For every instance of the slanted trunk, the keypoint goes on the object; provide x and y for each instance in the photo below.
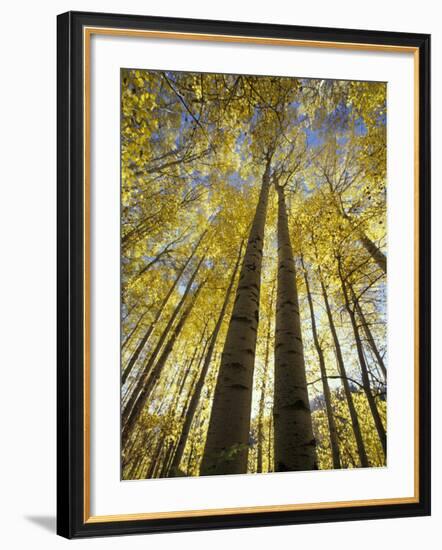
(190, 458)
(377, 255)
(334, 444)
(192, 385)
(295, 446)
(144, 377)
(132, 332)
(171, 446)
(270, 449)
(168, 348)
(142, 438)
(157, 370)
(130, 309)
(165, 252)
(259, 450)
(226, 449)
(160, 310)
(370, 339)
(155, 459)
(348, 395)
(156, 467)
(362, 363)
(165, 468)
(190, 412)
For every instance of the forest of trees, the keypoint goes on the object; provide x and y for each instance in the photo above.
(253, 274)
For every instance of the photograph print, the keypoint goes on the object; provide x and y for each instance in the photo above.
(253, 274)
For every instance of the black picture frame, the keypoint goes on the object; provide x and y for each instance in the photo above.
(71, 520)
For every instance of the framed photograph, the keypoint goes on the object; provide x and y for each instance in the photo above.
(243, 274)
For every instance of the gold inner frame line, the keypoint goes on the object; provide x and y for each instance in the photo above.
(87, 34)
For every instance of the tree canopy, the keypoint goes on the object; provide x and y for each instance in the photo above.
(253, 274)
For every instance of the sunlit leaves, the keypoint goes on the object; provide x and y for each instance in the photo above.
(193, 151)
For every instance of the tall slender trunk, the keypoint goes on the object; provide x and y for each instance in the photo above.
(135, 472)
(146, 268)
(370, 338)
(143, 379)
(334, 443)
(195, 377)
(130, 309)
(190, 412)
(259, 450)
(226, 449)
(165, 252)
(190, 458)
(377, 255)
(188, 368)
(132, 332)
(171, 446)
(348, 395)
(156, 370)
(165, 468)
(160, 310)
(269, 448)
(364, 370)
(158, 462)
(167, 350)
(295, 446)
(161, 442)
(154, 462)
(146, 437)
(175, 380)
